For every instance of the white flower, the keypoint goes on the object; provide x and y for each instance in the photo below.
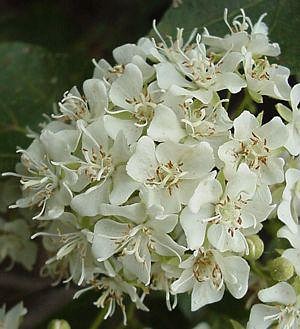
(293, 119)
(74, 107)
(170, 171)
(13, 318)
(15, 243)
(172, 52)
(199, 76)
(162, 274)
(291, 254)
(136, 103)
(266, 79)
(227, 216)
(45, 183)
(255, 145)
(289, 208)
(107, 73)
(191, 121)
(71, 246)
(135, 54)
(103, 163)
(125, 54)
(150, 48)
(283, 311)
(206, 274)
(113, 291)
(127, 93)
(256, 42)
(134, 239)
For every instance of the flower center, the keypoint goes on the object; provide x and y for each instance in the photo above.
(98, 164)
(167, 176)
(117, 69)
(260, 69)
(228, 213)
(206, 269)
(73, 107)
(143, 108)
(195, 121)
(134, 241)
(200, 69)
(255, 153)
(113, 72)
(41, 182)
(288, 316)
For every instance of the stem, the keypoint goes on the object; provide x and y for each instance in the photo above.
(98, 320)
(246, 103)
(259, 271)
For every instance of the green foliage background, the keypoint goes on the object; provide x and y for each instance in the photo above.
(46, 47)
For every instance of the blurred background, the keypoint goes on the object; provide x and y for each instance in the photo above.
(80, 28)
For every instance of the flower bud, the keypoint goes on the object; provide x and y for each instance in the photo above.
(59, 324)
(281, 269)
(296, 284)
(256, 247)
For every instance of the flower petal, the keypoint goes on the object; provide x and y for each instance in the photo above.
(165, 125)
(235, 271)
(204, 293)
(89, 202)
(294, 238)
(244, 125)
(127, 87)
(114, 125)
(295, 96)
(122, 186)
(261, 316)
(274, 132)
(184, 283)
(281, 293)
(242, 184)
(272, 172)
(209, 190)
(293, 255)
(106, 232)
(193, 225)
(167, 75)
(143, 163)
(96, 95)
(123, 54)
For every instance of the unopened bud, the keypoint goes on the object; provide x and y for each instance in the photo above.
(296, 284)
(59, 324)
(256, 247)
(281, 269)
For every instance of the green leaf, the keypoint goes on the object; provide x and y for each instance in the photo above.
(282, 20)
(32, 79)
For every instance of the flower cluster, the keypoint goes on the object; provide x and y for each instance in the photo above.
(152, 178)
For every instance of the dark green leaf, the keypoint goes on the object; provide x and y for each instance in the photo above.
(32, 79)
(283, 21)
